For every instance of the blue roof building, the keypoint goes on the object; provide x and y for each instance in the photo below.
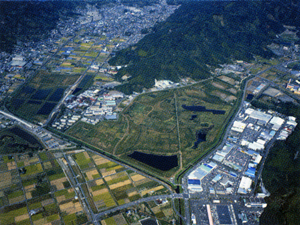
(250, 172)
(194, 181)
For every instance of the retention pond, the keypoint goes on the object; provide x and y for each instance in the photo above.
(160, 162)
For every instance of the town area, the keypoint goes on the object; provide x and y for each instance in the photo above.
(230, 174)
(64, 182)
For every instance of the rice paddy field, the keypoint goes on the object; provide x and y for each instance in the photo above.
(110, 184)
(35, 100)
(37, 182)
(38, 179)
(162, 211)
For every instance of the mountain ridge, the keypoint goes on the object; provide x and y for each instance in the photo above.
(200, 36)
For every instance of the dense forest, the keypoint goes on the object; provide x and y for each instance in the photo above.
(201, 35)
(30, 21)
(281, 173)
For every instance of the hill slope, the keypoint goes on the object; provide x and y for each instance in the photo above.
(28, 21)
(202, 35)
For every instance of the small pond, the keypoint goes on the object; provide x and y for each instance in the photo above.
(160, 162)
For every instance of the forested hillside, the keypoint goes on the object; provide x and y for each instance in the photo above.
(30, 21)
(281, 173)
(201, 35)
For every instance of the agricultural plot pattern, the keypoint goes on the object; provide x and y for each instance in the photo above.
(36, 100)
(110, 184)
(160, 210)
(35, 188)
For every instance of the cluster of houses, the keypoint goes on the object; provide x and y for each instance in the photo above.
(103, 107)
(66, 121)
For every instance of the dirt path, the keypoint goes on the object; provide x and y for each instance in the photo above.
(126, 133)
(178, 132)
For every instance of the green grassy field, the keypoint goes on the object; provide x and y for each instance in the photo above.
(157, 123)
(32, 169)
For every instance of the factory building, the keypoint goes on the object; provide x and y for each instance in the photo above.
(250, 172)
(260, 116)
(238, 126)
(256, 203)
(245, 185)
(163, 83)
(194, 184)
(277, 123)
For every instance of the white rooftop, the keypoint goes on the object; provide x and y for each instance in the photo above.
(245, 183)
(256, 146)
(277, 120)
(238, 126)
(255, 114)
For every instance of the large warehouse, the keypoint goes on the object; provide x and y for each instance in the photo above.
(198, 174)
(245, 185)
(261, 116)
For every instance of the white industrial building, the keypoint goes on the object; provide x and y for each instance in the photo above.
(258, 158)
(244, 142)
(238, 126)
(163, 83)
(218, 158)
(256, 203)
(256, 146)
(194, 178)
(255, 114)
(18, 61)
(116, 94)
(245, 185)
(277, 122)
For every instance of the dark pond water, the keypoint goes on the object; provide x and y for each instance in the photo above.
(285, 43)
(201, 137)
(56, 96)
(24, 135)
(41, 94)
(250, 96)
(27, 90)
(46, 108)
(16, 103)
(193, 117)
(200, 108)
(84, 81)
(163, 163)
(34, 102)
(149, 221)
(76, 91)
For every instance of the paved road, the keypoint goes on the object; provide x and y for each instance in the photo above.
(71, 176)
(70, 91)
(152, 198)
(98, 216)
(131, 168)
(27, 124)
(262, 163)
(187, 213)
